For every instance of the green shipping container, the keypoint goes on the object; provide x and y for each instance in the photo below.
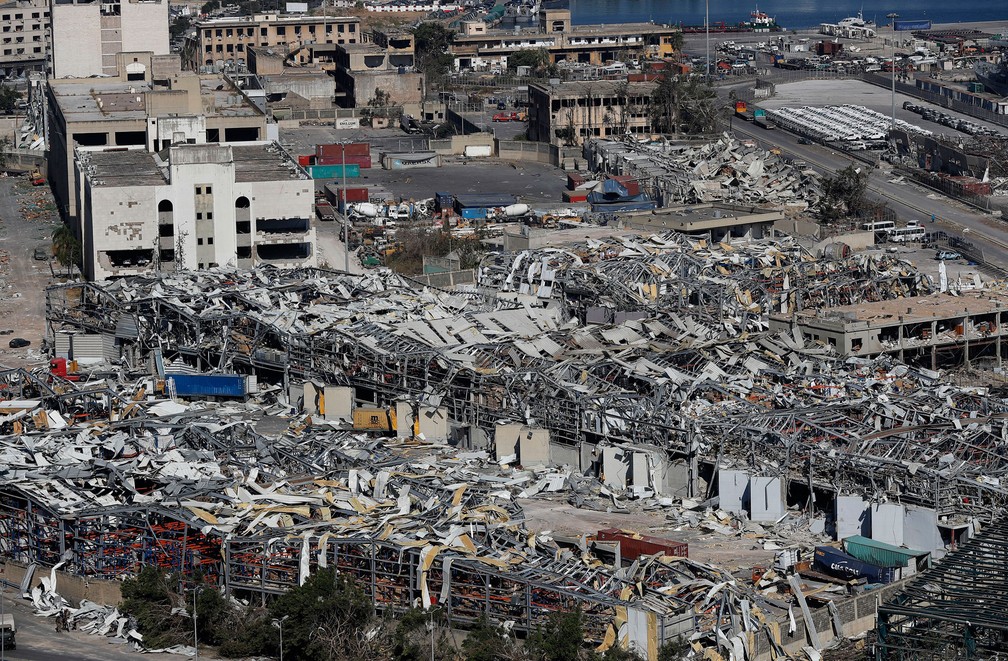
(881, 554)
(334, 171)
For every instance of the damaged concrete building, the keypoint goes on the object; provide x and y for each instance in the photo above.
(193, 207)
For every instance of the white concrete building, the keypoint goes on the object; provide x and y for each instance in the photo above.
(87, 34)
(24, 33)
(207, 205)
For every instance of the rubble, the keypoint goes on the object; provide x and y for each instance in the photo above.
(724, 170)
(516, 393)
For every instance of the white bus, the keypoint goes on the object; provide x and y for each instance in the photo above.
(906, 234)
(879, 226)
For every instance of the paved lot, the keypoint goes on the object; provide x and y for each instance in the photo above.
(23, 279)
(856, 92)
(38, 641)
(533, 183)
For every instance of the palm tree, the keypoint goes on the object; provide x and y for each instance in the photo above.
(66, 247)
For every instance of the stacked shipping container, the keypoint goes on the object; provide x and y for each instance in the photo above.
(354, 153)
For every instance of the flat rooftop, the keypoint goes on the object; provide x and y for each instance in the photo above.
(918, 309)
(262, 161)
(617, 29)
(93, 100)
(113, 168)
(273, 19)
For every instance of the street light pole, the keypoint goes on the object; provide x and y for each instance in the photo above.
(194, 634)
(893, 16)
(346, 230)
(279, 624)
(707, 32)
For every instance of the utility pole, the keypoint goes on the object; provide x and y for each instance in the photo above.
(195, 636)
(892, 17)
(346, 223)
(707, 32)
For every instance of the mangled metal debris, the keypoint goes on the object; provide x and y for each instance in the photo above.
(724, 170)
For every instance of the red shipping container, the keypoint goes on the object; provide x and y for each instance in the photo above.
(305, 160)
(574, 179)
(363, 161)
(575, 196)
(358, 194)
(358, 149)
(628, 182)
(633, 546)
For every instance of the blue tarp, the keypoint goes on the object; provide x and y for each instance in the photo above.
(613, 196)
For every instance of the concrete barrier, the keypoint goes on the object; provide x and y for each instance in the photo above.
(72, 588)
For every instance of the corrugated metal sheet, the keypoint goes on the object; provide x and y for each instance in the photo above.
(110, 349)
(126, 327)
(85, 347)
(880, 554)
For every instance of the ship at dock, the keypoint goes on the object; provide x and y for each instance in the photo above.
(758, 22)
(994, 77)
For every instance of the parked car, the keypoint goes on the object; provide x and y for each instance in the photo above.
(500, 105)
(947, 254)
(42, 254)
(503, 117)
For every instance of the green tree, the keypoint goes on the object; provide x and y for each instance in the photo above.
(537, 58)
(325, 614)
(412, 638)
(179, 26)
(210, 6)
(486, 642)
(149, 598)
(433, 51)
(683, 104)
(560, 639)
(67, 248)
(674, 650)
(8, 99)
(842, 194)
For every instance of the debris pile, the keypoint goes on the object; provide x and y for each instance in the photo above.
(728, 287)
(724, 170)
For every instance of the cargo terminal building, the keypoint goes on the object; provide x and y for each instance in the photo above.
(193, 207)
(933, 331)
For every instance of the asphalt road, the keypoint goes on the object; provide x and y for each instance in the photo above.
(37, 640)
(910, 201)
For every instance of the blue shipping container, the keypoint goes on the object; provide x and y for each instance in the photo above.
(208, 385)
(334, 171)
(473, 213)
(837, 563)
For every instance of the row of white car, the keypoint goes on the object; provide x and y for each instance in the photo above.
(839, 123)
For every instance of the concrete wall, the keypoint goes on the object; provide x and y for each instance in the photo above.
(73, 588)
(523, 150)
(76, 39)
(145, 26)
(857, 615)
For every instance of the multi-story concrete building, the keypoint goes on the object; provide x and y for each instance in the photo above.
(150, 105)
(477, 47)
(193, 207)
(87, 35)
(24, 31)
(219, 42)
(387, 64)
(575, 111)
